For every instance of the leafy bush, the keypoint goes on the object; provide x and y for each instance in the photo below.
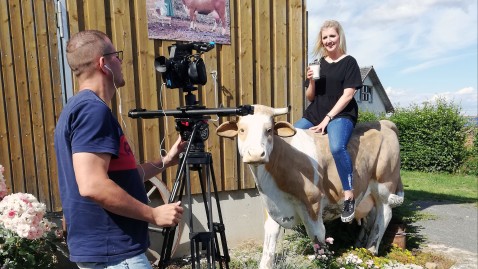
(366, 116)
(431, 137)
(470, 165)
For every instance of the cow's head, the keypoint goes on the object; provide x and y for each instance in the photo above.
(255, 133)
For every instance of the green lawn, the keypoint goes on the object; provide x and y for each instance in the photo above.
(439, 187)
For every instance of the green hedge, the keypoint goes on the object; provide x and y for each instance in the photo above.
(470, 165)
(432, 136)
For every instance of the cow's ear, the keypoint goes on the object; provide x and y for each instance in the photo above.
(284, 129)
(227, 129)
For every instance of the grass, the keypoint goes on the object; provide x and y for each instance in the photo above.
(440, 187)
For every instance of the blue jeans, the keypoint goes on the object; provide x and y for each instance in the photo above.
(137, 262)
(339, 131)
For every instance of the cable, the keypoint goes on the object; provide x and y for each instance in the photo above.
(214, 77)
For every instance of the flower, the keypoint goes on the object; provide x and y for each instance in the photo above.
(26, 236)
(323, 255)
(3, 185)
(23, 214)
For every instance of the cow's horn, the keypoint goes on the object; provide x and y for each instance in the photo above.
(281, 111)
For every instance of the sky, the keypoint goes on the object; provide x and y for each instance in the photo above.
(421, 49)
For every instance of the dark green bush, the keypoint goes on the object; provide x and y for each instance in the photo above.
(474, 131)
(431, 137)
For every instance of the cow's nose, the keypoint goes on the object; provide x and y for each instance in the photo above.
(255, 155)
(256, 152)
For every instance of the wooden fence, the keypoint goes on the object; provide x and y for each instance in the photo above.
(264, 64)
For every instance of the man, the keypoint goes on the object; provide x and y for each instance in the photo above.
(101, 187)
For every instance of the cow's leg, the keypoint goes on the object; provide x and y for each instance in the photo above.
(222, 17)
(192, 16)
(271, 233)
(366, 228)
(215, 25)
(382, 218)
(315, 228)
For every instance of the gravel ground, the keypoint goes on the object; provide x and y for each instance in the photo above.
(452, 230)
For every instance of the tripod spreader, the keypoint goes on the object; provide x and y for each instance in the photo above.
(190, 112)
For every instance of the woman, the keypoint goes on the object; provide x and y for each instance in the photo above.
(333, 109)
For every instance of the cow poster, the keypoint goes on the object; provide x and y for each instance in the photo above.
(189, 20)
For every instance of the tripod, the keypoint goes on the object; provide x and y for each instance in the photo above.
(191, 122)
(196, 159)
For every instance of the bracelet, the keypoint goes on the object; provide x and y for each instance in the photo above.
(329, 116)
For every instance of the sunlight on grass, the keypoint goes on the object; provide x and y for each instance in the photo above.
(438, 187)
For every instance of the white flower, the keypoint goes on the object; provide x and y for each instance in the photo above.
(24, 215)
(329, 240)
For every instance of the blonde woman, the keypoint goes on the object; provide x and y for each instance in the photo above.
(333, 109)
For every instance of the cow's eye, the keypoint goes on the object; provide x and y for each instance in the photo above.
(241, 131)
(269, 130)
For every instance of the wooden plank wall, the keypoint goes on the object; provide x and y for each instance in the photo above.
(30, 98)
(264, 64)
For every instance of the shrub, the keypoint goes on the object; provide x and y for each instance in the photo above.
(431, 137)
(470, 165)
(366, 116)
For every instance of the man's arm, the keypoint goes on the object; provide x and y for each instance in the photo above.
(150, 169)
(94, 183)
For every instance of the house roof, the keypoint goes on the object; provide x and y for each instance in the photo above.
(369, 71)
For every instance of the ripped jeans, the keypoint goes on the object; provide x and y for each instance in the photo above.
(339, 131)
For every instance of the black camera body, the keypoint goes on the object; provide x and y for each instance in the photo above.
(184, 69)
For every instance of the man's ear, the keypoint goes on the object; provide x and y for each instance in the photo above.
(104, 66)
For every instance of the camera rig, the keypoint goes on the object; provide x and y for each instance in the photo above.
(182, 70)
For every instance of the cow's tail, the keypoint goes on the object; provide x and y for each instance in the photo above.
(390, 125)
(396, 199)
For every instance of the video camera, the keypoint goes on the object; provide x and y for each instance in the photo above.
(184, 69)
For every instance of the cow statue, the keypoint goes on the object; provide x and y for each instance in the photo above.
(297, 179)
(217, 8)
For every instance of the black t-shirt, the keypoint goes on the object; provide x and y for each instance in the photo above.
(334, 78)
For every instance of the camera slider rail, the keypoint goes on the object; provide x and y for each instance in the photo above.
(190, 112)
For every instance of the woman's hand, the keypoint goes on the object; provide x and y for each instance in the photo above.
(309, 74)
(321, 127)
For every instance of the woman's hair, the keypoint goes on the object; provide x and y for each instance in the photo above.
(84, 48)
(319, 49)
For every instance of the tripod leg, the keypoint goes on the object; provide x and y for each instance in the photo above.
(169, 233)
(219, 228)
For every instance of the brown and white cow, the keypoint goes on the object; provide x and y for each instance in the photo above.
(296, 175)
(217, 8)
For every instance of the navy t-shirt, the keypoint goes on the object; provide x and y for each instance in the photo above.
(334, 78)
(86, 124)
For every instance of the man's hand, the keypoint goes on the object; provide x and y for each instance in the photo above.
(173, 154)
(168, 215)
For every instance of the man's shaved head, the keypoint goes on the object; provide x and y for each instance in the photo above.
(84, 48)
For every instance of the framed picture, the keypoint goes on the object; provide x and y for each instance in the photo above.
(189, 20)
